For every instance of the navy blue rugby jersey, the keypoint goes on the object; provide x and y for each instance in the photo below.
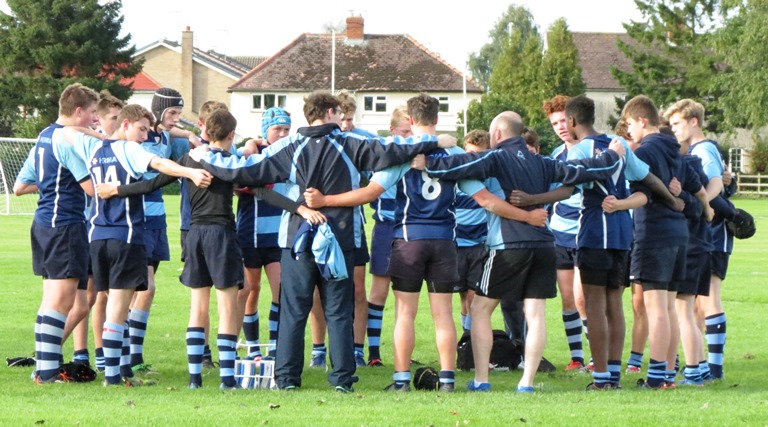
(57, 171)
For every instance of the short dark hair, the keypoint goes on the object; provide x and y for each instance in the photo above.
(220, 124)
(348, 103)
(582, 109)
(531, 137)
(317, 103)
(641, 106)
(74, 96)
(423, 109)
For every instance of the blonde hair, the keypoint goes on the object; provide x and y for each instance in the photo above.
(399, 114)
(688, 109)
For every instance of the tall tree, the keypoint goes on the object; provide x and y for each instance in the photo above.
(743, 44)
(481, 64)
(561, 62)
(671, 54)
(46, 45)
(524, 76)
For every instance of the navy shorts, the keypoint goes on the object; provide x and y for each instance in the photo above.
(658, 269)
(260, 257)
(361, 254)
(603, 267)
(519, 274)
(471, 260)
(417, 260)
(118, 265)
(381, 247)
(213, 258)
(719, 263)
(565, 257)
(697, 274)
(60, 252)
(156, 246)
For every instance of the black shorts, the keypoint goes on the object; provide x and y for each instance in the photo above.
(519, 274)
(658, 269)
(381, 247)
(361, 254)
(213, 258)
(260, 257)
(471, 260)
(417, 260)
(719, 263)
(118, 265)
(183, 239)
(697, 275)
(603, 267)
(156, 247)
(82, 284)
(566, 257)
(60, 252)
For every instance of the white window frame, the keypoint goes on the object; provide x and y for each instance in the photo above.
(376, 102)
(281, 99)
(445, 104)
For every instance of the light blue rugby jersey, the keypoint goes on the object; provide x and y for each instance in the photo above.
(713, 166)
(116, 162)
(564, 218)
(161, 145)
(471, 221)
(598, 229)
(424, 207)
(53, 166)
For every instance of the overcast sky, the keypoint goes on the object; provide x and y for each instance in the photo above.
(261, 28)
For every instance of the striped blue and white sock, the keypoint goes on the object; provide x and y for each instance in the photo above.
(573, 327)
(375, 321)
(274, 323)
(195, 347)
(251, 332)
(715, 334)
(138, 329)
(226, 344)
(614, 368)
(51, 333)
(112, 338)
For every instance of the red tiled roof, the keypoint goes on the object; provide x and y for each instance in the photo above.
(385, 63)
(598, 52)
(141, 82)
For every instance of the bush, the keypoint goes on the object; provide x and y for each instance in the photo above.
(760, 154)
(29, 127)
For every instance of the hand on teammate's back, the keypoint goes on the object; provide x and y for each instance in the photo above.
(419, 162)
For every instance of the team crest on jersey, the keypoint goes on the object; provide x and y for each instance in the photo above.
(94, 161)
(520, 154)
(598, 151)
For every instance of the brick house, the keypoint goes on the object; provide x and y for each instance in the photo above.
(199, 75)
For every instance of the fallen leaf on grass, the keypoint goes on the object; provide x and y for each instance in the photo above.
(749, 356)
(734, 385)
(705, 405)
(523, 420)
(273, 406)
(171, 388)
(321, 401)
(454, 412)
(39, 422)
(130, 403)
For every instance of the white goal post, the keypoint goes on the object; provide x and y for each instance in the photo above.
(13, 153)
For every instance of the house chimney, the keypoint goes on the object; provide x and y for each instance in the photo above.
(355, 28)
(186, 89)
